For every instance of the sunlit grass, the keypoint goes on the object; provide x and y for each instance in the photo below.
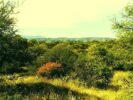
(105, 94)
(120, 77)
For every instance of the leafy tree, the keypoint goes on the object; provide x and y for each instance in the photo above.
(7, 30)
(12, 47)
(124, 27)
(100, 54)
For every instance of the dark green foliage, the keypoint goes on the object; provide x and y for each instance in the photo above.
(6, 29)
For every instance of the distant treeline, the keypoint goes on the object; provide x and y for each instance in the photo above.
(86, 39)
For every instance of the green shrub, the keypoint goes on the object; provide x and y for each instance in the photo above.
(92, 73)
(63, 54)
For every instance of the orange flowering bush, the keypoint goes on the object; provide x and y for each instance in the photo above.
(48, 67)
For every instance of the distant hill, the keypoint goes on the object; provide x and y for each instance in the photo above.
(69, 39)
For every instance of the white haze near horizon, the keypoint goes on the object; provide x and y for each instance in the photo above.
(68, 18)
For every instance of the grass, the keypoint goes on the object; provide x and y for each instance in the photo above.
(39, 85)
(120, 77)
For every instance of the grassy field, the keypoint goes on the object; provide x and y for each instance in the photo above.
(39, 88)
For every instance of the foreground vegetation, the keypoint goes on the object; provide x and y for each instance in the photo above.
(65, 70)
(40, 88)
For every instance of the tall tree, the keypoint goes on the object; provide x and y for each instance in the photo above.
(124, 25)
(7, 30)
(12, 46)
(124, 49)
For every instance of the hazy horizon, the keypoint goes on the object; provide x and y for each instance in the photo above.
(68, 18)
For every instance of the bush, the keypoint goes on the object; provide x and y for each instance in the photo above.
(63, 54)
(49, 69)
(94, 74)
(8, 68)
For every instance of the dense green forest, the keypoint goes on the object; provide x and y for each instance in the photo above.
(65, 70)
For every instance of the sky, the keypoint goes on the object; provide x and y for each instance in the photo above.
(68, 18)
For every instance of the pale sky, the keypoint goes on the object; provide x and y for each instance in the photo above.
(68, 18)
